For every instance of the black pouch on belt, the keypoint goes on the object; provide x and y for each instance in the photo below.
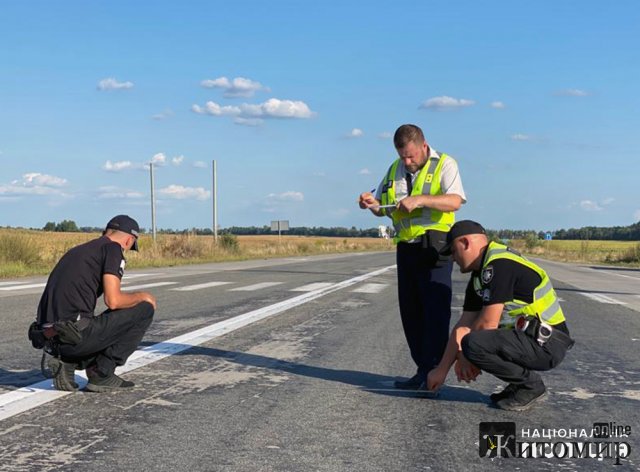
(36, 336)
(68, 332)
(432, 242)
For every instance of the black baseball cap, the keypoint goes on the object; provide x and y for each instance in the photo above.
(126, 224)
(461, 228)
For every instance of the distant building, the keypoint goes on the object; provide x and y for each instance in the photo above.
(385, 232)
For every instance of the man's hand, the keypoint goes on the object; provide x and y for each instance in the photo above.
(367, 200)
(436, 378)
(147, 297)
(465, 370)
(408, 204)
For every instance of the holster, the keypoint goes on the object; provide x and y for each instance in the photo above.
(432, 243)
(63, 332)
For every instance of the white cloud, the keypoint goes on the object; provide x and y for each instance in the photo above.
(238, 87)
(176, 161)
(520, 137)
(573, 93)
(608, 201)
(385, 135)
(117, 166)
(248, 121)
(364, 171)
(162, 115)
(288, 196)
(212, 108)
(113, 84)
(36, 179)
(180, 193)
(636, 216)
(34, 183)
(112, 192)
(355, 133)
(446, 103)
(159, 159)
(200, 165)
(248, 113)
(589, 205)
(497, 105)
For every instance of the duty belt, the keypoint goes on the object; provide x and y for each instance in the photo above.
(541, 331)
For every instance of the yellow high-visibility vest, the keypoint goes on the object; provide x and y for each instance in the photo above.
(545, 305)
(409, 226)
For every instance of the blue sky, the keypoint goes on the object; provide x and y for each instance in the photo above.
(296, 101)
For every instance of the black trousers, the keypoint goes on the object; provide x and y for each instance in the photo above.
(424, 293)
(110, 338)
(513, 356)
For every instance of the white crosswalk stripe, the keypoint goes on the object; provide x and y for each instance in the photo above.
(22, 287)
(251, 288)
(370, 288)
(156, 284)
(602, 298)
(190, 288)
(312, 287)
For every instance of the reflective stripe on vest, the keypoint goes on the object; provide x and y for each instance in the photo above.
(409, 226)
(545, 303)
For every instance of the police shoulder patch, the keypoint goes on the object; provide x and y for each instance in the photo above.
(487, 274)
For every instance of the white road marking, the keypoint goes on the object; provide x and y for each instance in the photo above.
(2, 284)
(190, 288)
(370, 288)
(251, 288)
(155, 284)
(602, 298)
(135, 276)
(312, 287)
(22, 287)
(609, 271)
(37, 394)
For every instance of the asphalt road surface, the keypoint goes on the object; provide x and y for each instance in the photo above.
(288, 365)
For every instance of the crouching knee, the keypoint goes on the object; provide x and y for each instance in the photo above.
(470, 347)
(146, 309)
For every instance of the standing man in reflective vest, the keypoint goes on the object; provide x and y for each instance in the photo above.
(420, 193)
(512, 324)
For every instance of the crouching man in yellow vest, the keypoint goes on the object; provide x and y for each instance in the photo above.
(512, 324)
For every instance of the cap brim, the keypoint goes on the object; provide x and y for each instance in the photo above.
(135, 245)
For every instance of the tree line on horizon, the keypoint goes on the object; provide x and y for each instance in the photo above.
(615, 233)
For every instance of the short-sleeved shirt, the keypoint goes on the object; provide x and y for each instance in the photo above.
(450, 181)
(75, 283)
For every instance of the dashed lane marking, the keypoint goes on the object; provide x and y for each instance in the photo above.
(26, 398)
(312, 287)
(602, 298)
(155, 284)
(190, 288)
(22, 287)
(370, 288)
(251, 288)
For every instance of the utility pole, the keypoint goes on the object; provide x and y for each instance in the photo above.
(153, 204)
(215, 204)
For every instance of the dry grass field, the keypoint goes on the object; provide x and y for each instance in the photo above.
(24, 252)
(603, 252)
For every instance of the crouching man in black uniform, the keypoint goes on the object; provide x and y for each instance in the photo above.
(512, 324)
(76, 337)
